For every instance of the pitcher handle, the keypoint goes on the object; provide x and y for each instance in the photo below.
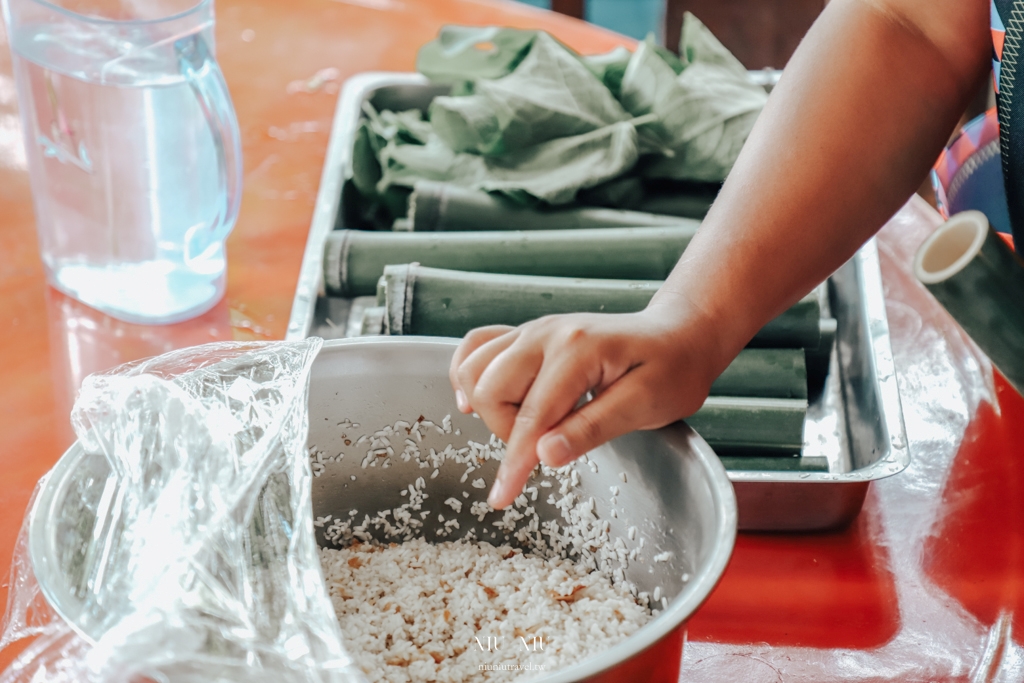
(207, 82)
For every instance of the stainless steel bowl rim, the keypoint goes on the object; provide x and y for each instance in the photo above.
(697, 590)
(45, 567)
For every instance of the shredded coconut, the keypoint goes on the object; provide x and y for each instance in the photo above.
(450, 612)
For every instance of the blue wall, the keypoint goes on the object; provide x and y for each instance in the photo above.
(634, 18)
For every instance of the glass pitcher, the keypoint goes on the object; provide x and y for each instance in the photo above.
(133, 150)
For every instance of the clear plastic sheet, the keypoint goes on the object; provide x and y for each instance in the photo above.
(932, 630)
(195, 559)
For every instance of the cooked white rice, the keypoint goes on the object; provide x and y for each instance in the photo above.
(465, 611)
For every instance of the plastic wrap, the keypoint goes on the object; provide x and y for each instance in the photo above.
(919, 588)
(198, 560)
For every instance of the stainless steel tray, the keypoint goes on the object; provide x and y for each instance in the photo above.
(856, 423)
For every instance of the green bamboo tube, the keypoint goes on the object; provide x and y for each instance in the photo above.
(356, 313)
(980, 281)
(819, 358)
(443, 207)
(765, 373)
(373, 321)
(354, 259)
(753, 463)
(449, 303)
(798, 327)
(737, 424)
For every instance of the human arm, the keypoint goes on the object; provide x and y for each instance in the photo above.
(865, 105)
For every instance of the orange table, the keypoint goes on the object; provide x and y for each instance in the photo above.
(926, 585)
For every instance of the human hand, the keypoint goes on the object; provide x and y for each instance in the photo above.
(644, 369)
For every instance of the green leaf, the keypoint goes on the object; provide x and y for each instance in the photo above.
(609, 67)
(555, 171)
(709, 131)
(552, 172)
(702, 116)
(667, 55)
(467, 124)
(409, 126)
(551, 94)
(366, 171)
(649, 87)
(698, 44)
(406, 164)
(405, 127)
(467, 53)
(531, 119)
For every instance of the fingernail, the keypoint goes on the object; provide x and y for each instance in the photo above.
(497, 491)
(554, 450)
(460, 400)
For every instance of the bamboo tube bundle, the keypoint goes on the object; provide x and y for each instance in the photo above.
(448, 303)
(980, 281)
(354, 260)
(435, 206)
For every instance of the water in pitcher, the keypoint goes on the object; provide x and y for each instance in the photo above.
(124, 171)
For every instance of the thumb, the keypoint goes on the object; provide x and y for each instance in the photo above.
(623, 407)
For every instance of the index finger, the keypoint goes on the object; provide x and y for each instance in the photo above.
(562, 380)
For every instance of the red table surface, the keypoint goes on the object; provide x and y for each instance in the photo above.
(926, 585)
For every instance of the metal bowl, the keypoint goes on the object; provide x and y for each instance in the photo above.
(671, 486)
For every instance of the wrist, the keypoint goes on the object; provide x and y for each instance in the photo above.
(696, 333)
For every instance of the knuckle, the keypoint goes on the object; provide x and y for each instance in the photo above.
(467, 378)
(559, 326)
(537, 331)
(485, 398)
(464, 372)
(576, 328)
(476, 337)
(529, 418)
(526, 417)
(575, 334)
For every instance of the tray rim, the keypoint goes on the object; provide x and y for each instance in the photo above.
(896, 458)
(328, 198)
(310, 286)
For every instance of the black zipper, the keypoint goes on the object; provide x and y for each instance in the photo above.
(1011, 120)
